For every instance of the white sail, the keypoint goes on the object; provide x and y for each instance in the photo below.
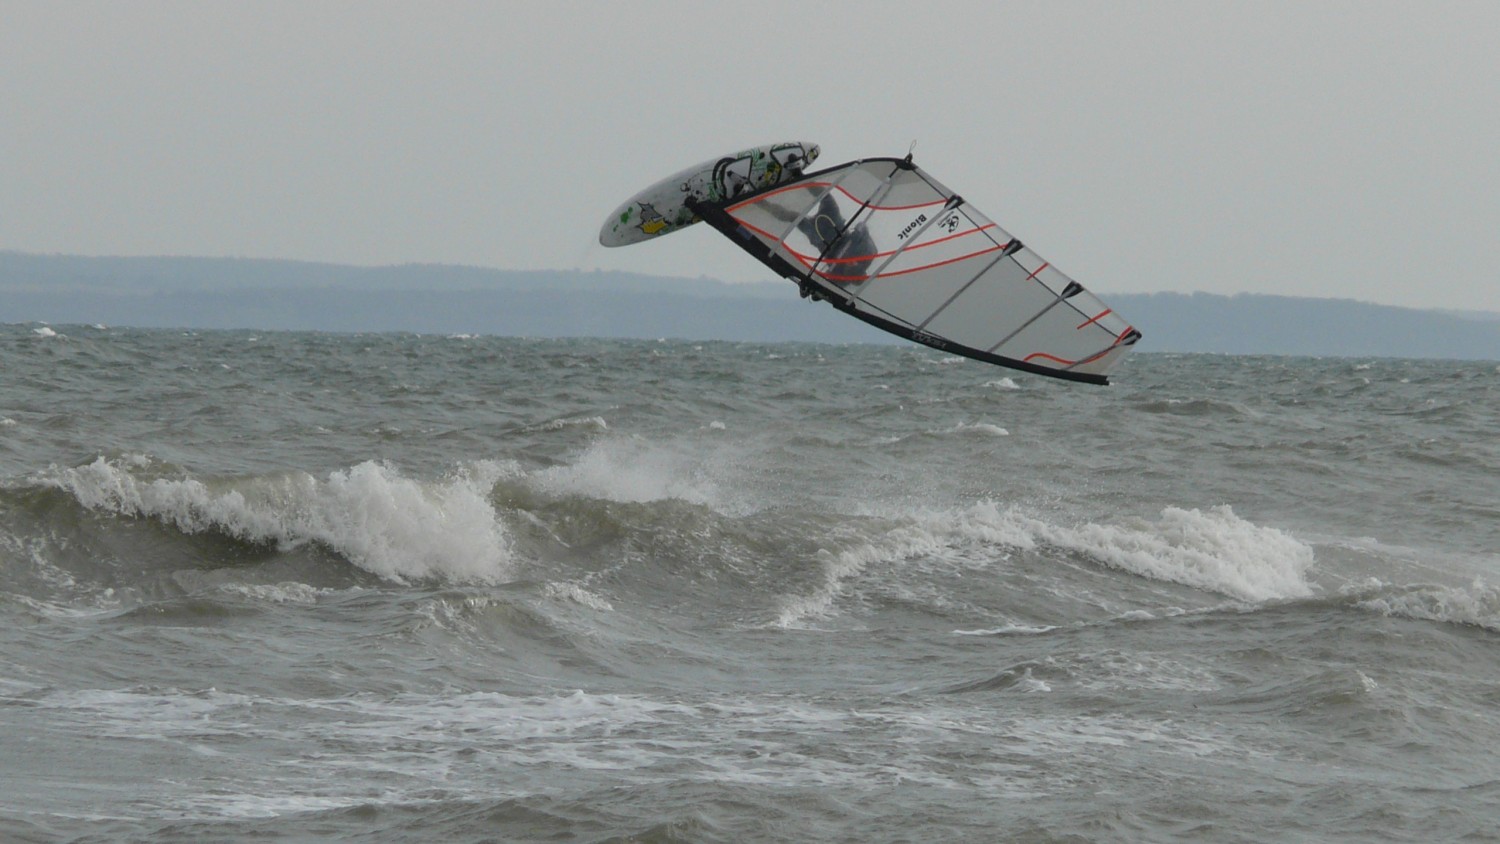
(885, 242)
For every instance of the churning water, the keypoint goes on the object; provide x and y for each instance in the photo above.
(408, 588)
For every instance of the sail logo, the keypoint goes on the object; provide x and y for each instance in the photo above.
(911, 227)
(928, 339)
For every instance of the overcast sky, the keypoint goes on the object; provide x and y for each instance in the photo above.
(1334, 149)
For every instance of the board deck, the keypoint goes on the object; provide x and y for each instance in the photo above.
(662, 208)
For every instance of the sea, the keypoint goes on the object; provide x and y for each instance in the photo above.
(260, 586)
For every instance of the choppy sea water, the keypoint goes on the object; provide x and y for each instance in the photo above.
(406, 588)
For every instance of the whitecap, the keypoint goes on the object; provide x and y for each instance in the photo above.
(921, 534)
(1477, 604)
(596, 422)
(978, 428)
(1213, 550)
(578, 595)
(1008, 630)
(837, 566)
(390, 525)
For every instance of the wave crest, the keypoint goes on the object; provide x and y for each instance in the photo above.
(389, 525)
(1207, 549)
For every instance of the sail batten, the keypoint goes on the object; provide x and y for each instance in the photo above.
(960, 291)
(907, 242)
(1039, 314)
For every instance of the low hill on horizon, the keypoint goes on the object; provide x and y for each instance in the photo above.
(267, 294)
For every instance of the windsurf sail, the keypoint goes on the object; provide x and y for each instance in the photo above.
(883, 241)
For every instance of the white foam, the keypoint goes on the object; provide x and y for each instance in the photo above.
(595, 422)
(70, 610)
(633, 471)
(1008, 630)
(984, 429)
(289, 592)
(1028, 683)
(395, 527)
(296, 754)
(978, 428)
(1118, 670)
(1213, 550)
(923, 534)
(44, 331)
(837, 566)
(578, 595)
(1003, 384)
(1478, 604)
(1346, 561)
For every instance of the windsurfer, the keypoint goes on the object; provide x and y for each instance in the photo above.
(843, 253)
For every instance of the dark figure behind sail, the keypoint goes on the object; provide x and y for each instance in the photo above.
(844, 252)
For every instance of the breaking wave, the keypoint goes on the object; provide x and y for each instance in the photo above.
(392, 526)
(1214, 551)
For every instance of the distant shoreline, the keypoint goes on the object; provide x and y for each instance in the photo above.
(268, 294)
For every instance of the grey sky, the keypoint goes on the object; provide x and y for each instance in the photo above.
(1304, 148)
